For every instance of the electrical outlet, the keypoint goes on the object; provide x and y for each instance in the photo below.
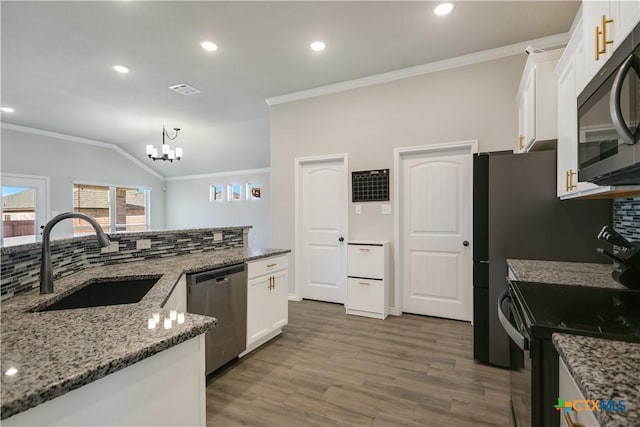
(143, 244)
(217, 237)
(358, 209)
(113, 247)
(385, 209)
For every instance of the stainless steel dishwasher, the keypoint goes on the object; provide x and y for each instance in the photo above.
(221, 293)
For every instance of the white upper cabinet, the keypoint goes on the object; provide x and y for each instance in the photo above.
(570, 74)
(605, 25)
(537, 99)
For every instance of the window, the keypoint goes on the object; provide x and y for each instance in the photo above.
(114, 208)
(24, 208)
(253, 191)
(215, 193)
(234, 192)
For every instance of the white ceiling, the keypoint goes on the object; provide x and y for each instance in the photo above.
(57, 57)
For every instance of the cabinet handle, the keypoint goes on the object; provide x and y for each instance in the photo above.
(605, 42)
(273, 282)
(566, 180)
(521, 142)
(271, 265)
(365, 283)
(571, 184)
(364, 250)
(570, 422)
(598, 32)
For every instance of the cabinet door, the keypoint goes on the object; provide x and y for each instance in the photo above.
(592, 13)
(625, 15)
(567, 125)
(278, 301)
(258, 309)
(529, 109)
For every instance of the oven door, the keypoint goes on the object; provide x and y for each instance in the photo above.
(520, 374)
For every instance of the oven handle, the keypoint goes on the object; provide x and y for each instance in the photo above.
(614, 103)
(513, 333)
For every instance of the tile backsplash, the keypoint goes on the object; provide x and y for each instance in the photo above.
(20, 265)
(626, 217)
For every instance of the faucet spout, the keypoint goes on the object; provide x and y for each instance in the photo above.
(46, 269)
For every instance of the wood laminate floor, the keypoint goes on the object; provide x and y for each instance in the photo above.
(330, 369)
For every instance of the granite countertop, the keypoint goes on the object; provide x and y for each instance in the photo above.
(59, 351)
(564, 273)
(604, 369)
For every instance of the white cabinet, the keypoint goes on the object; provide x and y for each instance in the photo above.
(606, 24)
(537, 98)
(369, 273)
(267, 300)
(570, 74)
(568, 389)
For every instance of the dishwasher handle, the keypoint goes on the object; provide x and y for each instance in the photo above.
(219, 273)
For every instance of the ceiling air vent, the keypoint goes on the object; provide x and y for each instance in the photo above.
(184, 89)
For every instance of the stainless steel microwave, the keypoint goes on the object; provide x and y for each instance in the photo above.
(609, 119)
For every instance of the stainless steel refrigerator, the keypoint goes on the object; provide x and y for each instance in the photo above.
(516, 214)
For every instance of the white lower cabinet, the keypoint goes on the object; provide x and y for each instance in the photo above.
(267, 300)
(368, 279)
(569, 391)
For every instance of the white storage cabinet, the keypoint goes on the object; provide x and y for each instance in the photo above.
(267, 300)
(568, 389)
(368, 269)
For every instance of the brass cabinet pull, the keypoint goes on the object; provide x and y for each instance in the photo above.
(270, 282)
(570, 422)
(271, 265)
(521, 142)
(605, 42)
(598, 43)
(364, 250)
(365, 283)
(571, 184)
(566, 180)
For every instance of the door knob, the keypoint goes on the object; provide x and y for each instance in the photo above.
(465, 243)
(340, 239)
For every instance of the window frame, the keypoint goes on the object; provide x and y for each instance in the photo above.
(113, 227)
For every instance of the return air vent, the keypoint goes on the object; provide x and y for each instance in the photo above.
(184, 89)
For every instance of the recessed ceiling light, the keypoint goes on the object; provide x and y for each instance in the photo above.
(121, 69)
(318, 46)
(11, 371)
(7, 109)
(443, 9)
(210, 46)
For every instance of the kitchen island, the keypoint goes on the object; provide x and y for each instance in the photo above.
(57, 352)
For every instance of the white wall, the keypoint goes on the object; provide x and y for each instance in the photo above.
(472, 102)
(65, 161)
(188, 205)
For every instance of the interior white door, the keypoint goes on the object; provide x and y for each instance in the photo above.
(435, 232)
(24, 209)
(323, 211)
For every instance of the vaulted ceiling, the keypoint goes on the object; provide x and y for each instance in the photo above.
(57, 58)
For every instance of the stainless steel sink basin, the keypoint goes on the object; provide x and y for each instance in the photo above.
(103, 293)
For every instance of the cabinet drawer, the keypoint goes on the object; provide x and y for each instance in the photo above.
(365, 295)
(366, 261)
(266, 266)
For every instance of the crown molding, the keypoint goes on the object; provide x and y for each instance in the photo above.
(216, 174)
(82, 141)
(419, 70)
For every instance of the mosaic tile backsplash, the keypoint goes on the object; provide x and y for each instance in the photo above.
(20, 265)
(626, 217)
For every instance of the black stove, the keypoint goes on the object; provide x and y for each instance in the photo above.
(535, 312)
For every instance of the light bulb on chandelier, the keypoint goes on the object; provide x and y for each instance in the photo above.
(166, 152)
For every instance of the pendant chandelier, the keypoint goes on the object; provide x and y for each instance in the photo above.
(166, 152)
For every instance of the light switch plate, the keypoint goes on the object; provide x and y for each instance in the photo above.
(358, 209)
(113, 247)
(217, 237)
(143, 244)
(385, 209)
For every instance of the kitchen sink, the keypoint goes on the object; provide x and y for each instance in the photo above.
(97, 293)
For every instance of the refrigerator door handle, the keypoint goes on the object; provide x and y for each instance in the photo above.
(513, 333)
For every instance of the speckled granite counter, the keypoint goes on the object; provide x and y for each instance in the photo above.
(59, 351)
(564, 273)
(604, 369)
